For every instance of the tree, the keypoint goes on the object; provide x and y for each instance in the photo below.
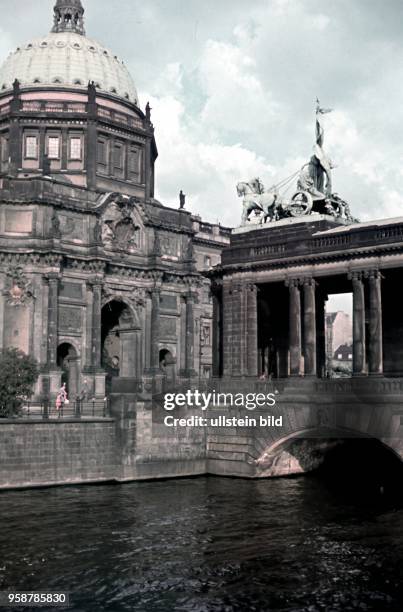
(18, 373)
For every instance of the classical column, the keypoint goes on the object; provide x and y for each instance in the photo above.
(96, 324)
(309, 327)
(217, 335)
(251, 330)
(88, 326)
(295, 327)
(375, 356)
(237, 328)
(227, 328)
(189, 349)
(53, 320)
(155, 329)
(358, 324)
(321, 299)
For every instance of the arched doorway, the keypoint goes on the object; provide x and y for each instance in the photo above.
(121, 342)
(167, 364)
(67, 361)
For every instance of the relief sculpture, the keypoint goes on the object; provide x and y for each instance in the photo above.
(119, 230)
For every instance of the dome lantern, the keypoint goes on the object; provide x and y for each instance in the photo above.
(68, 17)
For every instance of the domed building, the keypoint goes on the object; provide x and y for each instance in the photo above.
(100, 282)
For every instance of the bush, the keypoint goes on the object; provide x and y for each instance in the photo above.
(18, 373)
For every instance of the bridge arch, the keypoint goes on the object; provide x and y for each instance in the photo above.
(341, 455)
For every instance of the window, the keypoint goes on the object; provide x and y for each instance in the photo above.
(75, 147)
(207, 261)
(134, 164)
(118, 156)
(53, 147)
(350, 356)
(31, 147)
(339, 356)
(102, 151)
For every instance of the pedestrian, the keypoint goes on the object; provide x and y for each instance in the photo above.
(61, 398)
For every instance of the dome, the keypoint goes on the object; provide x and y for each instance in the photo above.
(67, 59)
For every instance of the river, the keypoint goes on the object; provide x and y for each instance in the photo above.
(204, 545)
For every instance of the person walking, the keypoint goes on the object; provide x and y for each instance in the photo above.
(61, 399)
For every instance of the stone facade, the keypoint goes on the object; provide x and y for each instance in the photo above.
(99, 281)
(272, 287)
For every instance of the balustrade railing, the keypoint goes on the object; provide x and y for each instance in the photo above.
(92, 408)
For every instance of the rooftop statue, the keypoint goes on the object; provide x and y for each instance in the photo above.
(313, 192)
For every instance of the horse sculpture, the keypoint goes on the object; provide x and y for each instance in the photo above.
(255, 198)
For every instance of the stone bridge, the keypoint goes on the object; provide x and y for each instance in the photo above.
(316, 415)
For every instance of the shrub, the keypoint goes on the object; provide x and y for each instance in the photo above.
(18, 373)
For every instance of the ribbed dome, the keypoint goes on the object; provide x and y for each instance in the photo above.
(67, 59)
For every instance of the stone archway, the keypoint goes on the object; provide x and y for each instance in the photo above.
(121, 342)
(67, 361)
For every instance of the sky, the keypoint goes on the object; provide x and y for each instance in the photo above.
(233, 83)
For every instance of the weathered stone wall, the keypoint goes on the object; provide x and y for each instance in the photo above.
(56, 452)
(136, 444)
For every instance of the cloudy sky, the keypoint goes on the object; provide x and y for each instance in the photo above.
(232, 84)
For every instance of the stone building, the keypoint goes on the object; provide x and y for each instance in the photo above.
(99, 281)
(339, 332)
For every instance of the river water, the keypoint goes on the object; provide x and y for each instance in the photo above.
(204, 544)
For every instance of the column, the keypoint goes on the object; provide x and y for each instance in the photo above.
(53, 320)
(96, 324)
(217, 336)
(358, 324)
(155, 329)
(295, 327)
(227, 328)
(251, 330)
(309, 327)
(88, 326)
(189, 349)
(321, 299)
(237, 328)
(375, 356)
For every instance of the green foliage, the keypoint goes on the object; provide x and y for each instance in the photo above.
(18, 373)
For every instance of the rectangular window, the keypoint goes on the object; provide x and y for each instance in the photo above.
(31, 147)
(102, 151)
(118, 156)
(134, 164)
(75, 147)
(53, 147)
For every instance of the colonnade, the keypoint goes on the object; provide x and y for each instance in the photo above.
(235, 321)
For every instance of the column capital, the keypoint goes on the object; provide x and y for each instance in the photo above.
(309, 281)
(94, 282)
(252, 287)
(373, 274)
(355, 275)
(292, 282)
(51, 276)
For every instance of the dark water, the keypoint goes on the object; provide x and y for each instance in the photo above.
(208, 544)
